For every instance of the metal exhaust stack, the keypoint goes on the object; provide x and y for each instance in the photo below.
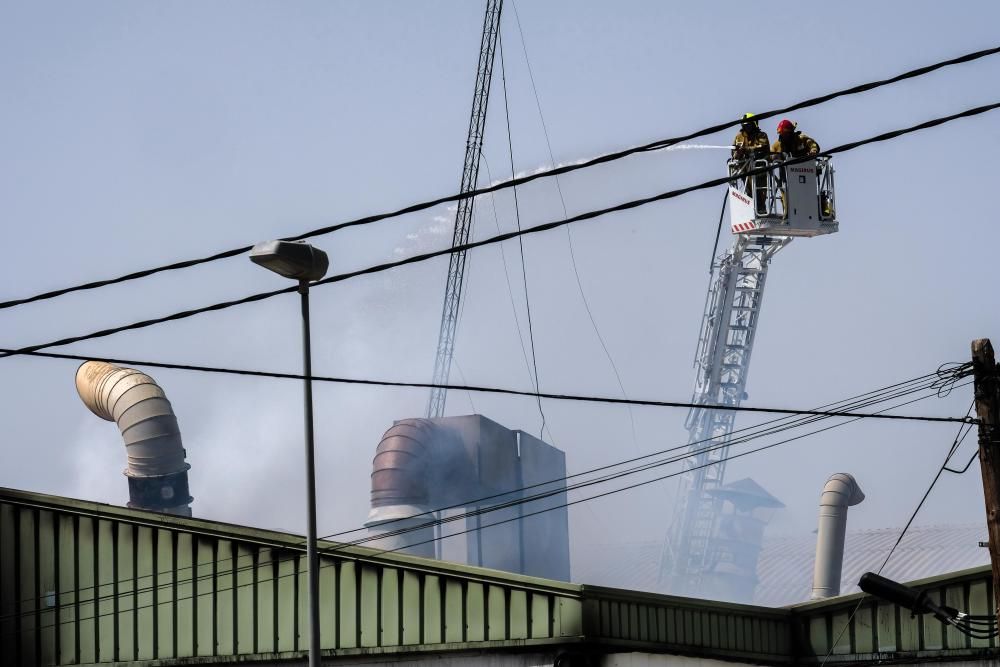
(840, 492)
(405, 469)
(157, 471)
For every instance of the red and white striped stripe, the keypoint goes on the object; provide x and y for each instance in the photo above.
(744, 226)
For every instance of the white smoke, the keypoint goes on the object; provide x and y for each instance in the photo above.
(428, 236)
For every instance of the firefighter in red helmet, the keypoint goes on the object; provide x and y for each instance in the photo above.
(793, 142)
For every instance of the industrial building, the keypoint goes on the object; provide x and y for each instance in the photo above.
(83, 583)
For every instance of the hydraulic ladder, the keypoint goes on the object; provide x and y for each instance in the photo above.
(722, 361)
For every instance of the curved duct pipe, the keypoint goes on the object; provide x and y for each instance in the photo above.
(840, 492)
(157, 471)
(411, 464)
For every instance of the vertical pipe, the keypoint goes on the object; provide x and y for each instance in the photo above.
(311, 555)
(840, 492)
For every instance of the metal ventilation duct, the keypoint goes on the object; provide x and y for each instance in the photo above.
(840, 492)
(157, 471)
(471, 462)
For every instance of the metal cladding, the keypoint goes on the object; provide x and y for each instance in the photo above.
(157, 470)
(422, 465)
(840, 492)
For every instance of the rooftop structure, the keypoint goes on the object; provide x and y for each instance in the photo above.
(83, 583)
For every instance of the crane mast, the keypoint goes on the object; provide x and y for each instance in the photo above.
(463, 213)
(767, 211)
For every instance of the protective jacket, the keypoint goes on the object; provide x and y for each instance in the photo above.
(801, 145)
(750, 145)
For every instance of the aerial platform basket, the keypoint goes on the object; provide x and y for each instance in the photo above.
(792, 200)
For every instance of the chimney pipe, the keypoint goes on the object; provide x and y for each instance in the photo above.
(840, 492)
(157, 471)
(416, 463)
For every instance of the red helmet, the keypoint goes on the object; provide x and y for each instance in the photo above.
(786, 126)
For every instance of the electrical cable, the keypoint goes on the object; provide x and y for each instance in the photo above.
(923, 499)
(875, 396)
(609, 157)
(975, 455)
(613, 476)
(643, 483)
(688, 454)
(569, 233)
(883, 394)
(951, 451)
(957, 446)
(887, 393)
(718, 232)
(414, 259)
(506, 275)
(374, 556)
(491, 390)
(520, 239)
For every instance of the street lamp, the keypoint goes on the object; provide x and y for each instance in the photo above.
(305, 263)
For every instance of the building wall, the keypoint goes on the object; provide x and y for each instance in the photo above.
(80, 587)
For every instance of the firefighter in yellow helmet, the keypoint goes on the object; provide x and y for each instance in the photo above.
(793, 142)
(751, 143)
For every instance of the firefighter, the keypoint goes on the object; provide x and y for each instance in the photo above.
(793, 142)
(751, 143)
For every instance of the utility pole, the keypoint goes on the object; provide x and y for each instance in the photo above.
(986, 377)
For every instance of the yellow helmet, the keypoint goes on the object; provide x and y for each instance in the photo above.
(747, 116)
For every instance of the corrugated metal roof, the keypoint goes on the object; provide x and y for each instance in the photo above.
(85, 583)
(785, 568)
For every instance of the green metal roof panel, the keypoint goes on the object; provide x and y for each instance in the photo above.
(84, 583)
(852, 628)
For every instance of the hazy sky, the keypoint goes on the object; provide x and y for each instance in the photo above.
(132, 134)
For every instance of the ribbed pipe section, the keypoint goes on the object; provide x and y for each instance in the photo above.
(157, 470)
(411, 463)
(840, 492)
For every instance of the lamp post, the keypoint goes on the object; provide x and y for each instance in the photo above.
(304, 263)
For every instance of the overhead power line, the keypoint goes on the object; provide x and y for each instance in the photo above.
(629, 487)
(569, 233)
(956, 443)
(890, 392)
(413, 208)
(414, 259)
(873, 397)
(499, 390)
(520, 240)
(712, 446)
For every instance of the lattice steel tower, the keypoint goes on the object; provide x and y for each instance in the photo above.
(463, 214)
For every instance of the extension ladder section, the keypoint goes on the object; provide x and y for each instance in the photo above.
(722, 361)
